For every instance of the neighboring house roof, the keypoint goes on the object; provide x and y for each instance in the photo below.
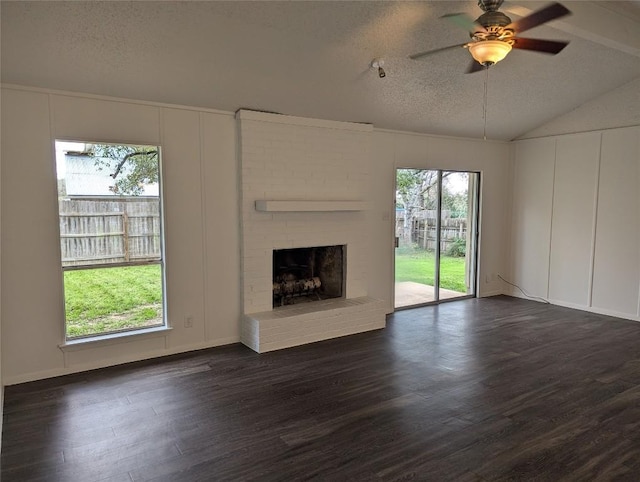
(83, 178)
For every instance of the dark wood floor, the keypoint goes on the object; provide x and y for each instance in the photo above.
(488, 389)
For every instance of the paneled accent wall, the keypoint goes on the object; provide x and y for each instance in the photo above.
(532, 208)
(576, 220)
(573, 222)
(201, 216)
(616, 271)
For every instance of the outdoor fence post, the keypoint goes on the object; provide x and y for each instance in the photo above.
(426, 230)
(125, 232)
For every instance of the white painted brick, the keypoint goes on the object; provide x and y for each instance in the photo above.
(306, 162)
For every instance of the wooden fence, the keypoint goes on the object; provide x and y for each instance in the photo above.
(108, 231)
(423, 232)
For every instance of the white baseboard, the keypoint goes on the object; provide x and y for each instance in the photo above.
(56, 372)
(599, 311)
(486, 294)
(575, 306)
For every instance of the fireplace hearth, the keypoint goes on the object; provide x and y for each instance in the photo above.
(302, 275)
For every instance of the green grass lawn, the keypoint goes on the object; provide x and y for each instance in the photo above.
(419, 266)
(104, 300)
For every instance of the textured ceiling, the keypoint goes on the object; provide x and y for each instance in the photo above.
(312, 59)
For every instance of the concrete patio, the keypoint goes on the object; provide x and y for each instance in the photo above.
(409, 293)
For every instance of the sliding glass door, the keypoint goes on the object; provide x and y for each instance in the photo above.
(436, 227)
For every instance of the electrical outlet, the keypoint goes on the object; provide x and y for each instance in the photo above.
(188, 321)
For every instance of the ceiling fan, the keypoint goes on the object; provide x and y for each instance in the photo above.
(493, 34)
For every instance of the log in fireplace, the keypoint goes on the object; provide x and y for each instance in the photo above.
(302, 275)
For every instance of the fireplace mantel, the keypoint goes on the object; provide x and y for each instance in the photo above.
(307, 206)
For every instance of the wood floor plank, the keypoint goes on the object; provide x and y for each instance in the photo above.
(474, 390)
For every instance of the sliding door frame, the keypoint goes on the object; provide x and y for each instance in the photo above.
(474, 225)
(436, 274)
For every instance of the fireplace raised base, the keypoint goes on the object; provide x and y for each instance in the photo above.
(309, 322)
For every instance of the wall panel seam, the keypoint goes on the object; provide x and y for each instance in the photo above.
(203, 220)
(594, 230)
(638, 194)
(553, 195)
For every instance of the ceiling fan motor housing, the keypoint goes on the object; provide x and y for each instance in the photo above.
(490, 5)
(493, 19)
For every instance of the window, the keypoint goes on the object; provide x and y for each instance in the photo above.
(111, 237)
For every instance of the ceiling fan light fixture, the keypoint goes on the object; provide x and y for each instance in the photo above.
(489, 52)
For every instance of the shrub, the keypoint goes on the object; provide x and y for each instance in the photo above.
(457, 248)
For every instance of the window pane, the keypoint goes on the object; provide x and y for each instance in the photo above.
(106, 300)
(110, 221)
(457, 238)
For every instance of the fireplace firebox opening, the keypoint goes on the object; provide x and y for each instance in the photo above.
(302, 275)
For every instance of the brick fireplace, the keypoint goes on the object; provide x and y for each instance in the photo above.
(304, 182)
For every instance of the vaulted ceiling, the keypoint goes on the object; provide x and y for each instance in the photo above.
(313, 59)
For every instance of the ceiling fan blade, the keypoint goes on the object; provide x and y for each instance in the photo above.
(435, 51)
(539, 45)
(465, 21)
(544, 15)
(475, 66)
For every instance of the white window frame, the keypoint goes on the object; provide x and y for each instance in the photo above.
(77, 342)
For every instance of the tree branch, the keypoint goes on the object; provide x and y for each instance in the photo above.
(129, 156)
(434, 182)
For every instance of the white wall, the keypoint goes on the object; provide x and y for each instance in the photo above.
(576, 220)
(616, 270)
(201, 213)
(202, 221)
(573, 217)
(405, 150)
(617, 108)
(531, 211)
(1, 379)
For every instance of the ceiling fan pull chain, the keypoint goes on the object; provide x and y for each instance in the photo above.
(484, 103)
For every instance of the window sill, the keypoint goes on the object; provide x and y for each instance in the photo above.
(114, 338)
